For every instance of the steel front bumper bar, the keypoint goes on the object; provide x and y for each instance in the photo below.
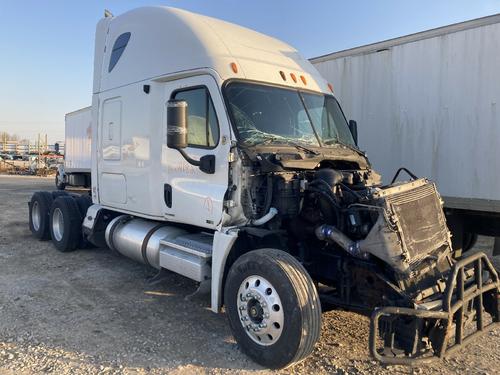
(456, 299)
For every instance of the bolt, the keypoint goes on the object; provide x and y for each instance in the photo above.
(243, 299)
(263, 325)
(249, 295)
(266, 315)
(242, 318)
(263, 304)
(242, 307)
(258, 297)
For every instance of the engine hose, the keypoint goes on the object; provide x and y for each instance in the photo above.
(331, 201)
(269, 193)
(264, 219)
(331, 233)
(321, 182)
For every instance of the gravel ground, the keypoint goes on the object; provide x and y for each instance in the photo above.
(91, 312)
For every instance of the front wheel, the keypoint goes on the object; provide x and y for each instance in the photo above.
(273, 307)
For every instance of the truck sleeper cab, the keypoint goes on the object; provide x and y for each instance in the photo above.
(221, 154)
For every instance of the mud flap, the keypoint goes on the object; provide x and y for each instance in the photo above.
(414, 336)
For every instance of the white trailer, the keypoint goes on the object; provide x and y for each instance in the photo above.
(221, 154)
(430, 102)
(77, 153)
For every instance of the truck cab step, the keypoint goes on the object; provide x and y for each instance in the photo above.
(188, 255)
(199, 244)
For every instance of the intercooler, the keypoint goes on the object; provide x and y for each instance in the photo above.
(411, 225)
(420, 220)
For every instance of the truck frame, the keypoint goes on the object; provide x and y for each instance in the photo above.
(221, 154)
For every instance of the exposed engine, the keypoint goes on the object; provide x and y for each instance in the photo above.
(367, 245)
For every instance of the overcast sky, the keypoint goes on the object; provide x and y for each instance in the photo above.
(46, 47)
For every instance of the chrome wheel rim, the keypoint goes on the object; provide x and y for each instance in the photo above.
(57, 224)
(260, 310)
(35, 216)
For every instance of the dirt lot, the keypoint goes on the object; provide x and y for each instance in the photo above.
(90, 312)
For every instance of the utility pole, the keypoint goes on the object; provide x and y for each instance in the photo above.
(38, 158)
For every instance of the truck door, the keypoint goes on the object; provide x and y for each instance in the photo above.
(190, 195)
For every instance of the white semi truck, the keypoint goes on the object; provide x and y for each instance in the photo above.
(429, 101)
(77, 151)
(221, 154)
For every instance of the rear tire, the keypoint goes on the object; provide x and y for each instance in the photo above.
(269, 291)
(65, 224)
(39, 209)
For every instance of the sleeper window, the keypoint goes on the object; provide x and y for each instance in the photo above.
(203, 128)
(118, 48)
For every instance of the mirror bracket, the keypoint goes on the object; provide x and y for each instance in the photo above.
(353, 127)
(206, 162)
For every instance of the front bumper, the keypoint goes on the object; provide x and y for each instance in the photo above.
(443, 330)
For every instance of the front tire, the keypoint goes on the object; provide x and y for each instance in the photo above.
(65, 224)
(273, 308)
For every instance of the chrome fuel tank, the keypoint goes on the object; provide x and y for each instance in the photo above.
(139, 239)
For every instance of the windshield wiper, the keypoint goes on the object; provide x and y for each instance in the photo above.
(279, 140)
(334, 141)
(303, 148)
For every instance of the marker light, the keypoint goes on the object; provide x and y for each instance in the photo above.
(294, 78)
(234, 67)
(303, 79)
(330, 86)
(282, 74)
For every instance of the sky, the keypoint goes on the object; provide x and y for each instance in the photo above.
(46, 46)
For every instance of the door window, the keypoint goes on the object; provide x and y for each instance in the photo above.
(203, 127)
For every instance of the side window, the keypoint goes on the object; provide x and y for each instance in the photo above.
(118, 48)
(203, 127)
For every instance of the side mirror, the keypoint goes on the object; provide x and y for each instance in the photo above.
(177, 132)
(177, 125)
(353, 127)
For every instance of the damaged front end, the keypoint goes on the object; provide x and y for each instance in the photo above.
(435, 303)
(432, 329)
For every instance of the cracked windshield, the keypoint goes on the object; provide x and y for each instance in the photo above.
(272, 115)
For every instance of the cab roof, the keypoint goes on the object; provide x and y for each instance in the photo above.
(165, 41)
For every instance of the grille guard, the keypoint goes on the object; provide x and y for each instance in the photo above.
(455, 300)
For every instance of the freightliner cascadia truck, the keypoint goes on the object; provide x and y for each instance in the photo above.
(221, 154)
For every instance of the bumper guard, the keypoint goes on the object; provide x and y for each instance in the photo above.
(481, 296)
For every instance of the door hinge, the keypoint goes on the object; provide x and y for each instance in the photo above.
(229, 203)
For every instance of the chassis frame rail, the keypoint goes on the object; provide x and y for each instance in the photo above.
(452, 311)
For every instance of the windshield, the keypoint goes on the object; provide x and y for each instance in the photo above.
(273, 115)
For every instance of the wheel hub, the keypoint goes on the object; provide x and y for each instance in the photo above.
(260, 310)
(58, 224)
(35, 215)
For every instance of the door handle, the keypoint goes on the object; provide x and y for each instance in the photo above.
(167, 195)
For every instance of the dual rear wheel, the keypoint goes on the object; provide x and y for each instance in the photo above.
(58, 216)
